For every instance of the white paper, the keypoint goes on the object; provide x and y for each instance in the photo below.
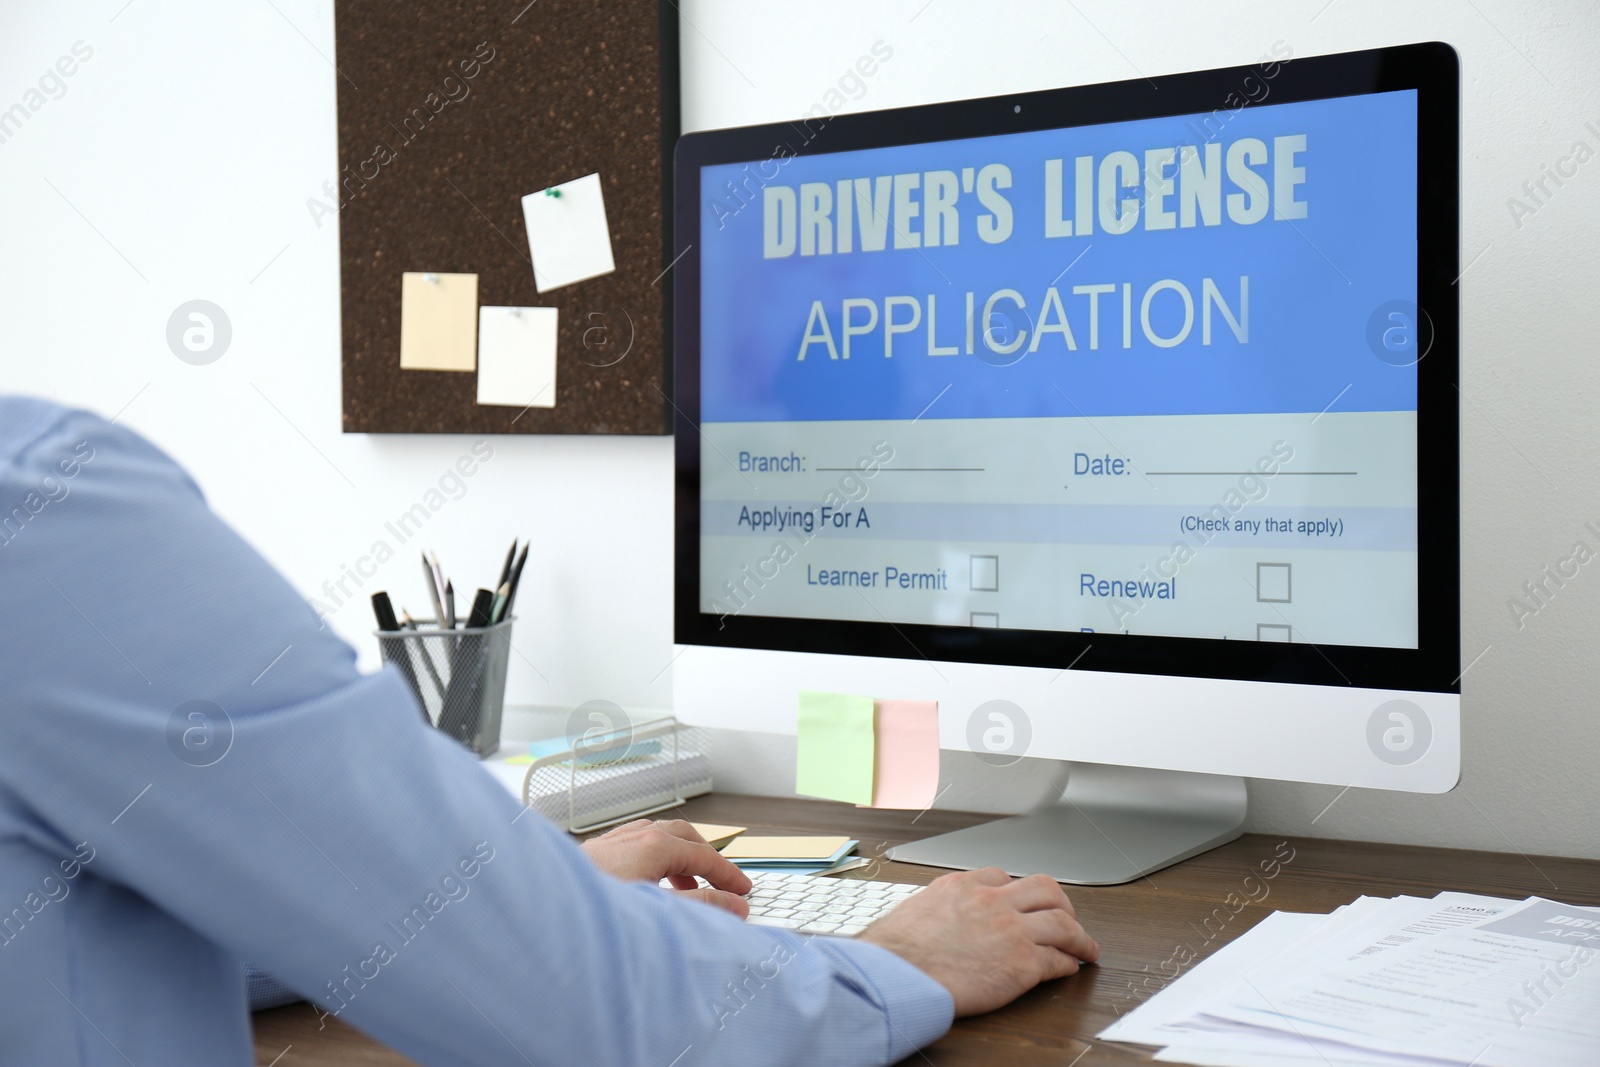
(1178, 1011)
(1144, 1024)
(1279, 1051)
(1280, 951)
(567, 234)
(1449, 991)
(517, 356)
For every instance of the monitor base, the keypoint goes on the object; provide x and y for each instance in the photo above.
(1111, 825)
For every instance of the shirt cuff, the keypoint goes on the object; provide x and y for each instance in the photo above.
(916, 1009)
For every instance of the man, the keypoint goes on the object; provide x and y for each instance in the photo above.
(193, 773)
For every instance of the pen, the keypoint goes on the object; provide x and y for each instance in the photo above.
(384, 610)
(427, 660)
(505, 570)
(433, 590)
(449, 605)
(456, 714)
(438, 580)
(516, 578)
(481, 605)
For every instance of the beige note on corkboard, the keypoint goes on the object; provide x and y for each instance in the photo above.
(438, 321)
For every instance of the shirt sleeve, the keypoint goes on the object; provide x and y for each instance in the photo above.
(181, 707)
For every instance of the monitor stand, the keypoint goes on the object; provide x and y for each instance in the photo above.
(1110, 825)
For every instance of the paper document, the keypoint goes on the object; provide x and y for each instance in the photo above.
(567, 233)
(1404, 982)
(1511, 989)
(1144, 1025)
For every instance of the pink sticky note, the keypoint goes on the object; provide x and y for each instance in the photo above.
(907, 754)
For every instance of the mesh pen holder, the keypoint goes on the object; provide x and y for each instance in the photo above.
(459, 677)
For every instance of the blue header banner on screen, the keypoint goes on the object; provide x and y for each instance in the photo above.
(1158, 266)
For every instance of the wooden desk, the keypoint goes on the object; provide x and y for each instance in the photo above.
(1138, 927)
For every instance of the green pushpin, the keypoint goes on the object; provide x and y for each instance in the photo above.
(552, 192)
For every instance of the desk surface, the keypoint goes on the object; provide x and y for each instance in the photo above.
(1138, 926)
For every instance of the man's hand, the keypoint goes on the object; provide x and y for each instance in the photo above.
(986, 938)
(646, 851)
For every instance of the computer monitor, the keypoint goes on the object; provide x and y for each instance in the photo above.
(1120, 420)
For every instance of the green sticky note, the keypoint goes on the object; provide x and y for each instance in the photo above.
(836, 747)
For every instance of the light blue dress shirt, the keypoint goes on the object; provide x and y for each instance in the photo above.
(193, 773)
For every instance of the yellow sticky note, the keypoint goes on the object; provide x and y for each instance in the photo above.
(715, 833)
(835, 749)
(438, 321)
(907, 759)
(783, 848)
(519, 761)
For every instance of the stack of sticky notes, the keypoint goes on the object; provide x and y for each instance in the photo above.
(716, 834)
(882, 753)
(788, 853)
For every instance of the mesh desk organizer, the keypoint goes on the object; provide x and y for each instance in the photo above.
(625, 774)
(459, 677)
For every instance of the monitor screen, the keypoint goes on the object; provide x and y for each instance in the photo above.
(1147, 377)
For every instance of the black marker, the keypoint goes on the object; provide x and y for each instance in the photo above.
(384, 610)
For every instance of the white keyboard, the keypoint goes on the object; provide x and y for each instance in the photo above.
(811, 905)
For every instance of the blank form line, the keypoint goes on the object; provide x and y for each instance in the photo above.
(1230, 474)
(935, 469)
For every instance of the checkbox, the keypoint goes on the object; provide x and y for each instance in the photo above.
(986, 574)
(1272, 631)
(989, 619)
(1272, 583)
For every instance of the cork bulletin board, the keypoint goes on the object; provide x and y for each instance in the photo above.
(449, 113)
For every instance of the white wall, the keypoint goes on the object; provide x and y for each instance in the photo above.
(178, 163)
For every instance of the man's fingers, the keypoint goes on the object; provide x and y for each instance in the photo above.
(683, 881)
(731, 902)
(1039, 891)
(700, 859)
(680, 829)
(1054, 963)
(992, 876)
(1057, 930)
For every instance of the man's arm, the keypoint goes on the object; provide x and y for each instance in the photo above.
(309, 822)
